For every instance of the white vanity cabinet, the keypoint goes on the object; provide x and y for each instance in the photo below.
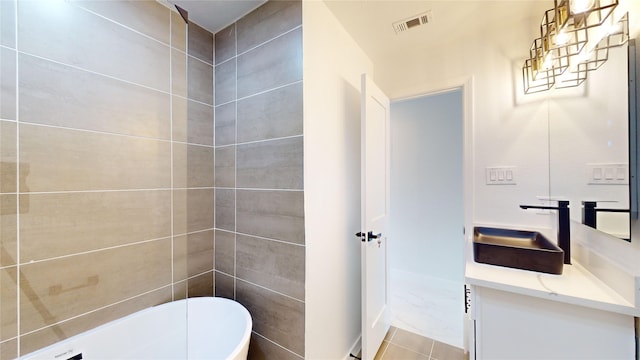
(508, 325)
(519, 314)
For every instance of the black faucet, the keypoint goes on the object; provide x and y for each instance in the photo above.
(590, 210)
(564, 226)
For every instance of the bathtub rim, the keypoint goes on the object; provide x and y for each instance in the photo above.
(241, 345)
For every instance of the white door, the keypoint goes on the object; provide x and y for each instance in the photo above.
(376, 317)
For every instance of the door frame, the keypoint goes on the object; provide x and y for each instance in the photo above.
(468, 159)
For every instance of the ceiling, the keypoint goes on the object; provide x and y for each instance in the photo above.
(370, 21)
(215, 15)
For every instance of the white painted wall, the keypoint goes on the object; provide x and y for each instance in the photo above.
(503, 133)
(426, 186)
(332, 64)
(508, 128)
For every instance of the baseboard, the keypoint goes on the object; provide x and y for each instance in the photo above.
(355, 348)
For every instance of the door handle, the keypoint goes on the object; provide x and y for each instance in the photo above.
(369, 236)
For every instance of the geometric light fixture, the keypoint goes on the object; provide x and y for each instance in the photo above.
(575, 37)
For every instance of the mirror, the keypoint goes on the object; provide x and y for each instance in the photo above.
(589, 146)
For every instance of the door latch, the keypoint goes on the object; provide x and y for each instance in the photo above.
(369, 236)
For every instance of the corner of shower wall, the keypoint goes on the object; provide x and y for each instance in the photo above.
(259, 196)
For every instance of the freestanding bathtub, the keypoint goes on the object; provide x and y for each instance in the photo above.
(195, 328)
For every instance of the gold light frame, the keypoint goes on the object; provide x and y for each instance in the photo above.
(571, 44)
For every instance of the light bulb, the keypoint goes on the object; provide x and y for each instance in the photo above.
(548, 62)
(580, 6)
(562, 38)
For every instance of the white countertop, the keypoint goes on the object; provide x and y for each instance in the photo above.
(575, 286)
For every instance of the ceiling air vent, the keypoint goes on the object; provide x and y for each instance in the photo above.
(409, 23)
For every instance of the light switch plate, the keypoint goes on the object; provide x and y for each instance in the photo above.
(501, 175)
(607, 174)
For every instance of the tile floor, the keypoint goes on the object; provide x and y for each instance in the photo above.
(400, 344)
(428, 306)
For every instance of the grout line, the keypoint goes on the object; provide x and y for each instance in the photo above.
(224, 103)
(79, 6)
(89, 191)
(169, 93)
(193, 144)
(222, 272)
(271, 239)
(269, 90)
(179, 50)
(112, 77)
(186, 73)
(30, 262)
(433, 345)
(17, 116)
(93, 72)
(195, 188)
(173, 298)
(8, 266)
(200, 60)
(213, 139)
(270, 290)
(9, 339)
(138, 137)
(119, 190)
(200, 274)
(97, 132)
(195, 232)
(259, 93)
(263, 189)
(276, 344)
(223, 146)
(224, 61)
(235, 166)
(265, 42)
(259, 141)
(98, 309)
(194, 100)
(224, 230)
(408, 349)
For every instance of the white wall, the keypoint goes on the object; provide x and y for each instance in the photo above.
(333, 63)
(503, 134)
(426, 186)
(508, 129)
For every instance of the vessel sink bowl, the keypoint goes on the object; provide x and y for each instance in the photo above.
(526, 250)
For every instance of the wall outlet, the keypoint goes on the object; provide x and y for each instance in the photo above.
(501, 175)
(608, 174)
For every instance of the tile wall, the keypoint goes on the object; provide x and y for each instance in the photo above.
(259, 217)
(107, 165)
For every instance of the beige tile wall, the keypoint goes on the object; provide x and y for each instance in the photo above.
(106, 165)
(259, 216)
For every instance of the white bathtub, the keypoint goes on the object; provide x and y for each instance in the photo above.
(196, 328)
